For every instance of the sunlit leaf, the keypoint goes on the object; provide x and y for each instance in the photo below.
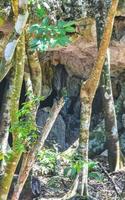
(41, 12)
(70, 29)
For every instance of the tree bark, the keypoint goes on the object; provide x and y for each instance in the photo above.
(84, 139)
(5, 121)
(35, 71)
(111, 128)
(5, 182)
(88, 90)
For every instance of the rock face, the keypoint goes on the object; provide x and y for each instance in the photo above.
(66, 128)
(57, 133)
(80, 57)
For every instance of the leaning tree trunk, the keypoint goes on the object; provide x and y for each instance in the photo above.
(111, 128)
(31, 155)
(88, 90)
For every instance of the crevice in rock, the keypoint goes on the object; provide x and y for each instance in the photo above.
(48, 102)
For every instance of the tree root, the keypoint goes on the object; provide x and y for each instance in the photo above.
(71, 193)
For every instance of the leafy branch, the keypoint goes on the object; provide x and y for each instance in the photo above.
(46, 34)
(25, 127)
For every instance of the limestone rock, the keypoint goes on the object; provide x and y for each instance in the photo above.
(57, 133)
(79, 58)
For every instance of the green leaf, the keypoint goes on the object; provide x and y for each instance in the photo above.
(96, 175)
(70, 172)
(59, 31)
(70, 29)
(70, 23)
(34, 28)
(63, 41)
(41, 12)
(92, 165)
(61, 23)
(35, 43)
(45, 21)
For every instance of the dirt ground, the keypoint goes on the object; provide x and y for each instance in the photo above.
(109, 187)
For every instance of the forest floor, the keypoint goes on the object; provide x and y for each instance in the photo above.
(112, 185)
(107, 187)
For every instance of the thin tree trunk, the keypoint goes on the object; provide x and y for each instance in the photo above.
(35, 71)
(5, 182)
(15, 6)
(88, 90)
(84, 139)
(5, 121)
(111, 128)
(18, 63)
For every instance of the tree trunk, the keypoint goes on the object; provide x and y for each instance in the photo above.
(5, 121)
(84, 138)
(35, 71)
(111, 128)
(88, 90)
(5, 182)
